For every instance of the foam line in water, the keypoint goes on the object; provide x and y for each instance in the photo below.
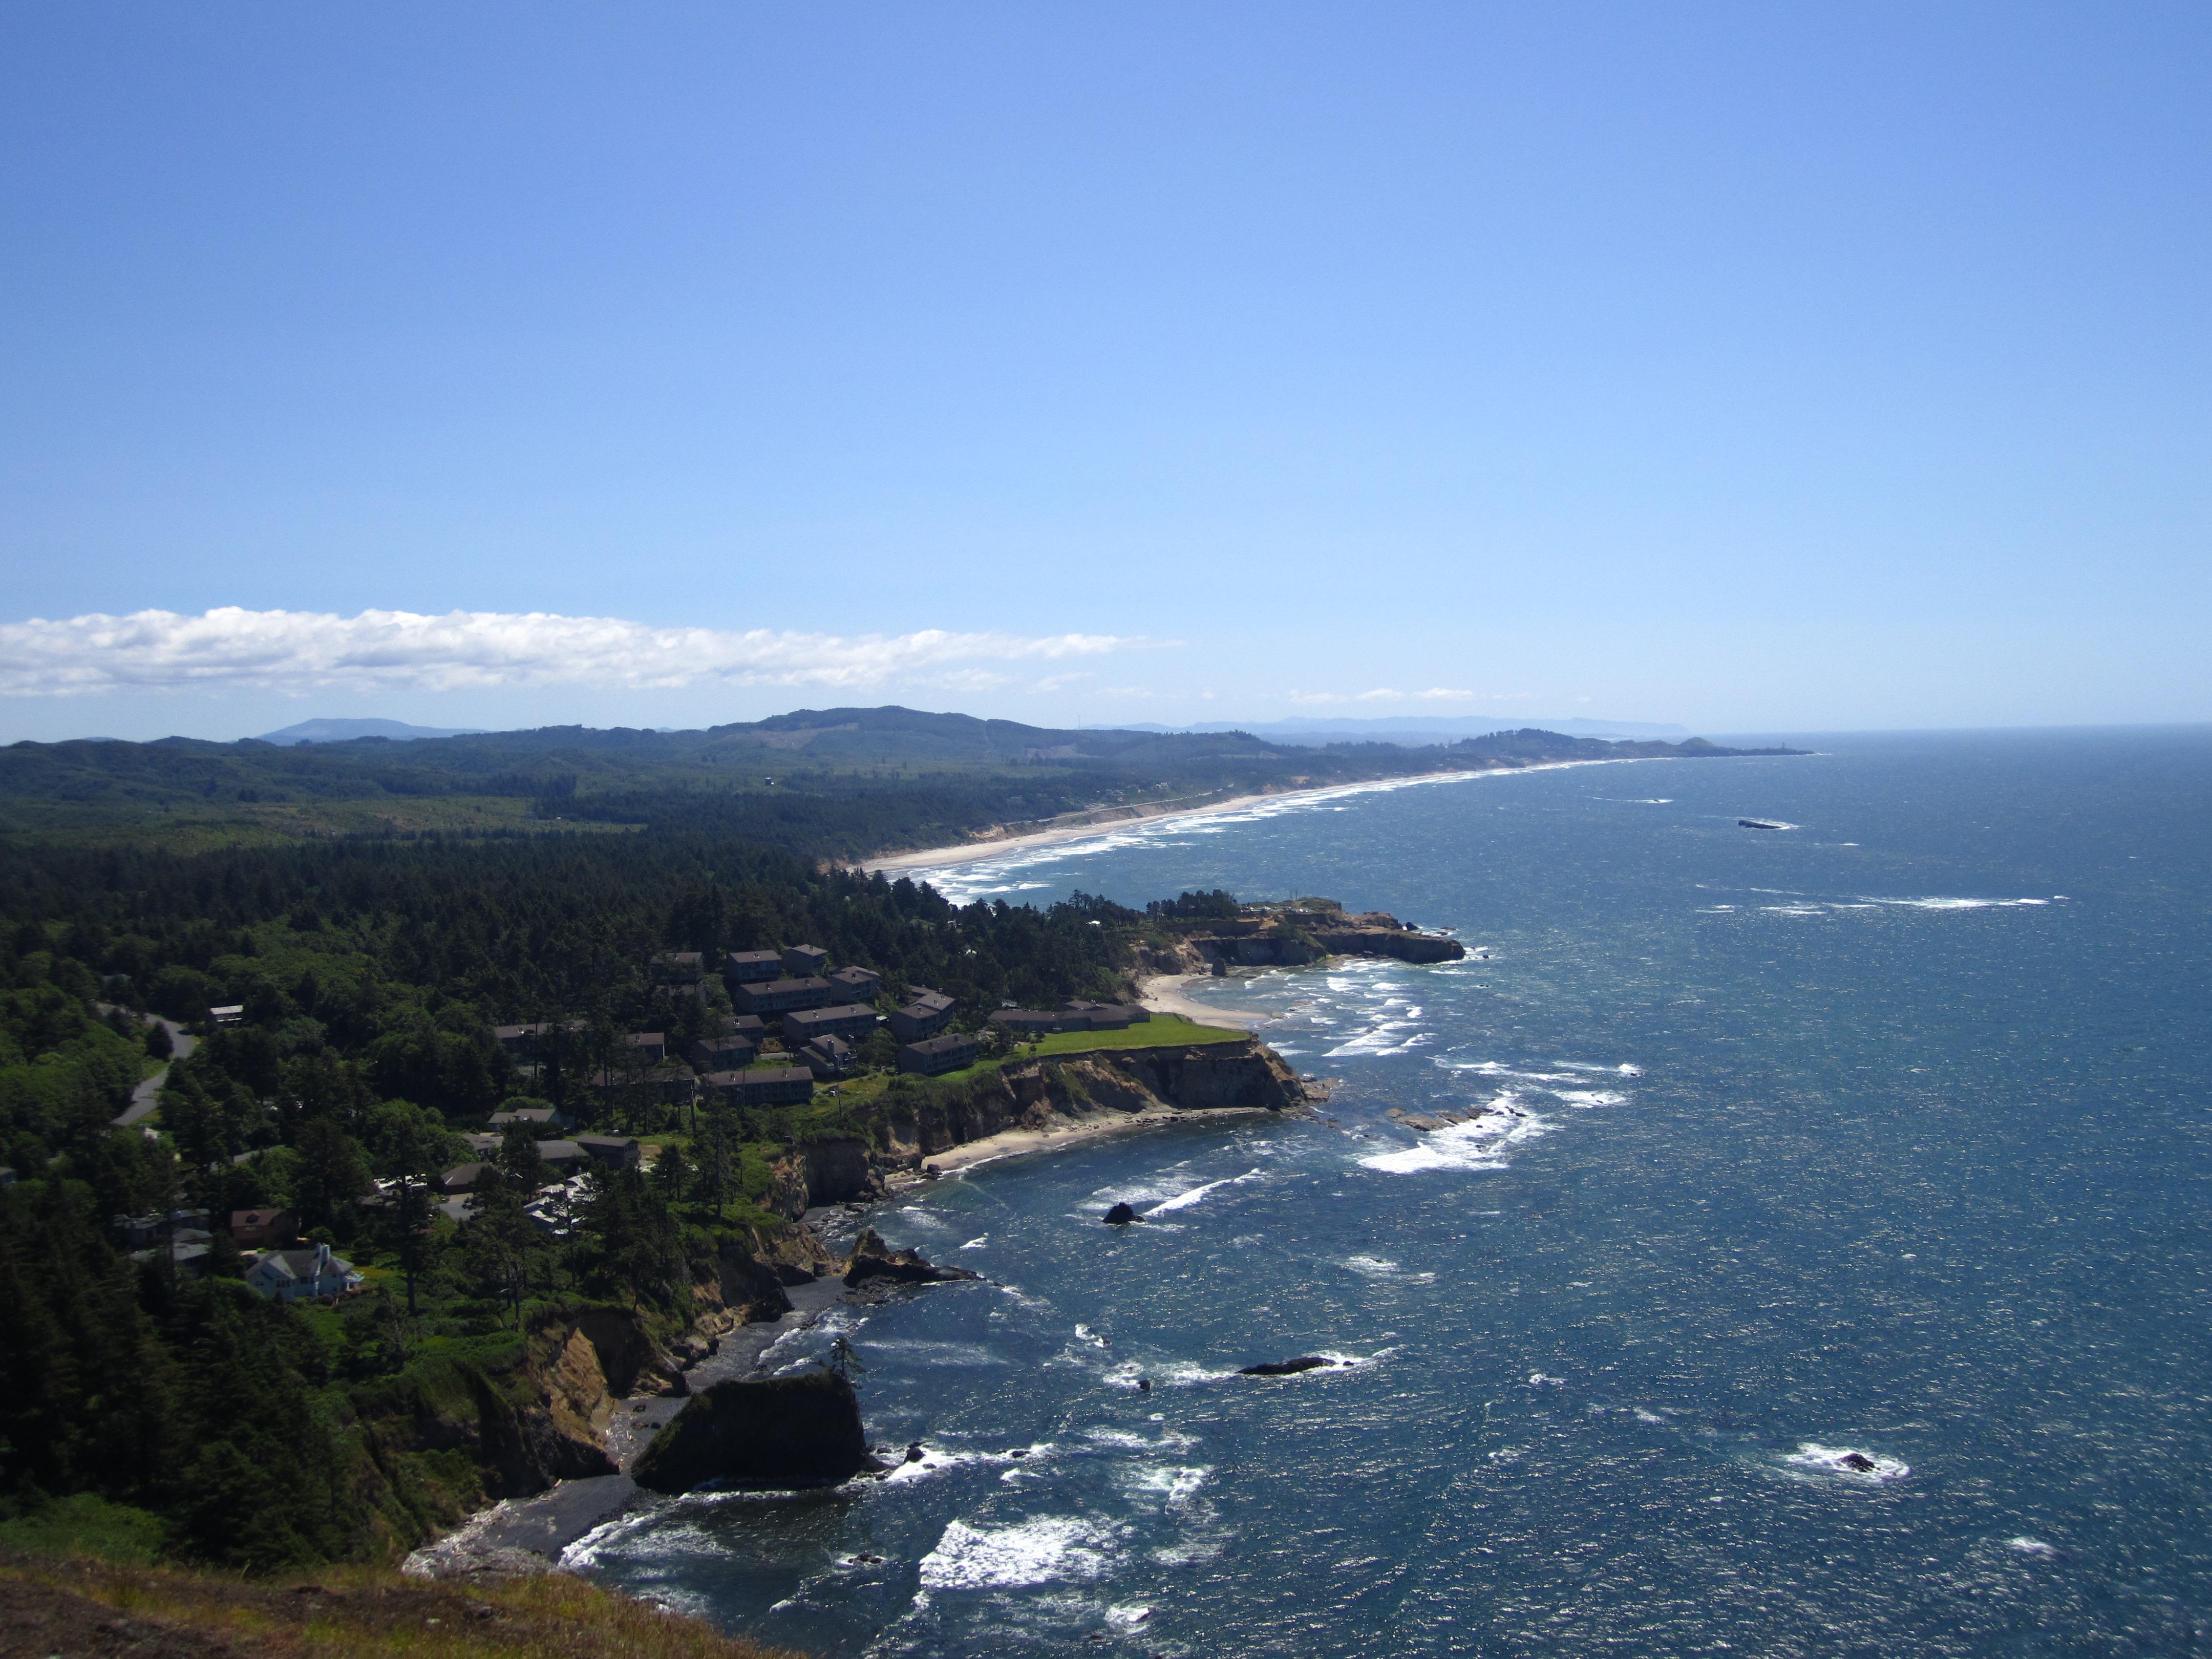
(1200, 1194)
(1864, 1468)
(1042, 1550)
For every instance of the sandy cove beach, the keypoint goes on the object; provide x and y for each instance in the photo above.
(1016, 1143)
(937, 858)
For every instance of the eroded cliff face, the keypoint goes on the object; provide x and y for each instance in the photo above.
(1292, 938)
(1034, 1094)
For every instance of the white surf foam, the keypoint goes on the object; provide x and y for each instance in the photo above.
(1959, 903)
(1048, 1549)
(1477, 1144)
(2028, 1546)
(1830, 1461)
(1172, 1485)
(1200, 1194)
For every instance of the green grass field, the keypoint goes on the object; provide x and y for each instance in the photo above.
(1160, 1032)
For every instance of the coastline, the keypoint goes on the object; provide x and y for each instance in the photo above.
(1163, 994)
(937, 858)
(1018, 1143)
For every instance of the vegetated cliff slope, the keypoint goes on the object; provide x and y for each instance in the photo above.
(81, 1609)
(1289, 935)
(914, 1123)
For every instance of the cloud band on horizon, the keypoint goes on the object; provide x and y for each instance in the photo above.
(470, 650)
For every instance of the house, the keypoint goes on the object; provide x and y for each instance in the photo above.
(562, 1155)
(648, 1048)
(1109, 1016)
(780, 996)
(257, 1230)
(724, 1053)
(676, 967)
(188, 1253)
(484, 1145)
(465, 1177)
(229, 1014)
(857, 984)
(724, 1086)
(140, 1230)
(927, 1014)
(1030, 1022)
(850, 1020)
(670, 1082)
(751, 967)
(775, 1086)
(616, 1152)
(828, 1057)
(805, 961)
(302, 1275)
(526, 1039)
(935, 1056)
(538, 1117)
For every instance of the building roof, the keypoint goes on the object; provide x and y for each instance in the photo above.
(553, 1152)
(928, 1002)
(646, 1039)
(606, 1141)
(939, 1045)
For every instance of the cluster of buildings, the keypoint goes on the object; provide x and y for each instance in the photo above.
(821, 1015)
(276, 1264)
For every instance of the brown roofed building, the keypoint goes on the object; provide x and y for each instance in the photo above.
(256, 1229)
(926, 1014)
(935, 1056)
(848, 1020)
(780, 996)
(750, 967)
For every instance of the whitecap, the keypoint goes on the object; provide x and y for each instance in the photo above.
(1475, 1143)
(1831, 1460)
(1197, 1194)
(1173, 1484)
(1957, 903)
(1046, 1549)
(1374, 1266)
(2028, 1546)
(1592, 1096)
(978, 1243)
(1539, 1380)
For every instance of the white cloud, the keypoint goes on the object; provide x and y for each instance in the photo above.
(468, 650)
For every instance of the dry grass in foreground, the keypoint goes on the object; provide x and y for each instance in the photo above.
(81, 1609)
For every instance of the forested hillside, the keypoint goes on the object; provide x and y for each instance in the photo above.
(370, 970)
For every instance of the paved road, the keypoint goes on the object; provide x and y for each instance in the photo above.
(143, 1097)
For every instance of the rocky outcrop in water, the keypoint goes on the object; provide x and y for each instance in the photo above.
(1121, 1216)
(1312, 1362)
(774, 1433)
(873, 1261)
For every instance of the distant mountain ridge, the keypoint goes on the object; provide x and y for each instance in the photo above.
(1415, 731)
(345, 730)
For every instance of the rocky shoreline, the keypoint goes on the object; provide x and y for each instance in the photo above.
(610, 1392)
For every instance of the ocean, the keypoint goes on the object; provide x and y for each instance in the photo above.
(1826, 1270)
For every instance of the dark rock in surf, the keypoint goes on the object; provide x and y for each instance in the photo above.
(1121, 1216)
(1858, 1462)
(772, 1433)
(1312, 1362)
(874, 1262)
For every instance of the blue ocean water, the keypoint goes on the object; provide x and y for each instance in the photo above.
(1887, 1133)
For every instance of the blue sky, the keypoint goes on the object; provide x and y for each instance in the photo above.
(1750, 367)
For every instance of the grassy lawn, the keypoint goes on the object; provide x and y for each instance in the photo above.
(1160, 1032)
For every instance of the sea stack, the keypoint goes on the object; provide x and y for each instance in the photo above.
(772, 1433)
(1121, 1216)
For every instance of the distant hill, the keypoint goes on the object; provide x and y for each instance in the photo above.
(839, 782)
(344, 730)
(1416, 731)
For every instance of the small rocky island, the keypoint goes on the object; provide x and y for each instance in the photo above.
(1212, 933)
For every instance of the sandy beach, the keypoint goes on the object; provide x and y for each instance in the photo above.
(938, 858)
(1015, 1143)
(1163, 994)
